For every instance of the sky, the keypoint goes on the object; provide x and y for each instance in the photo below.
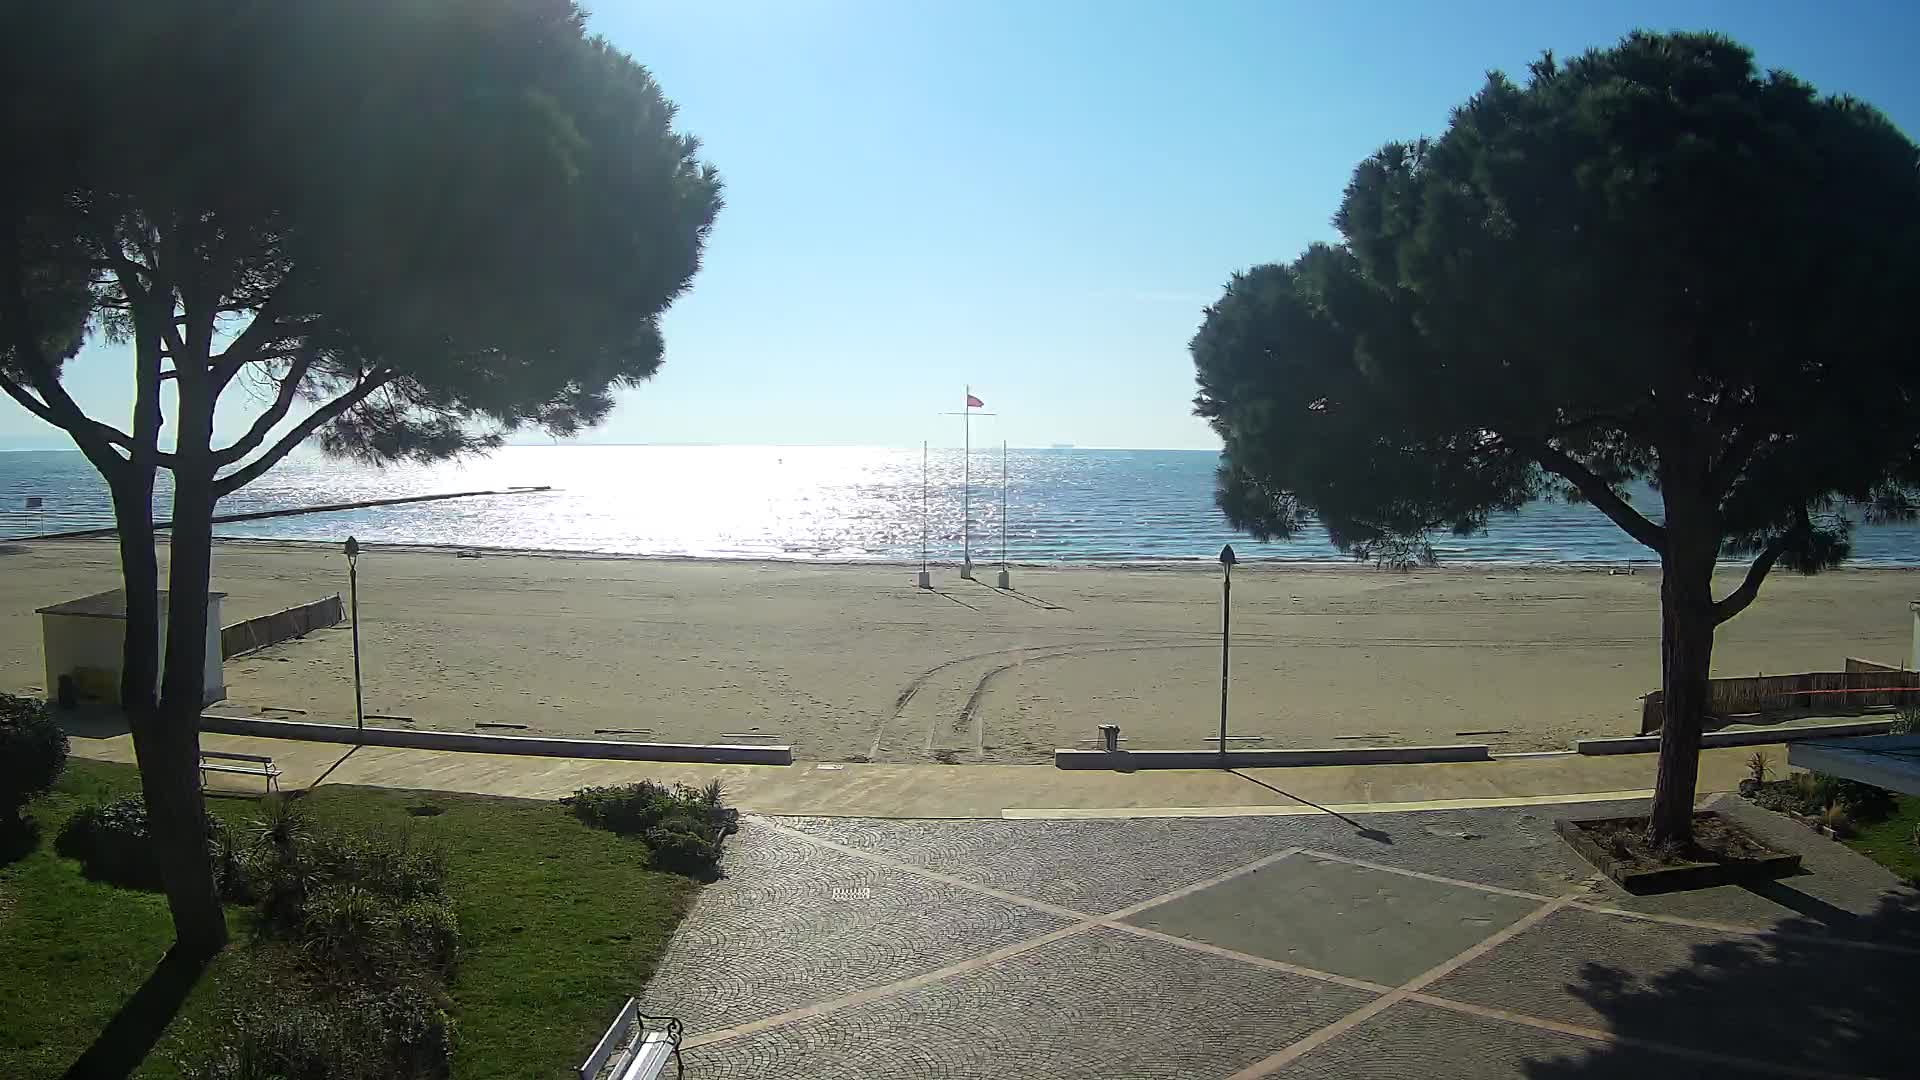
(1038, 199)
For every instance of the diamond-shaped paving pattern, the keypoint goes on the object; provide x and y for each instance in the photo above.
(1102, 1003)
(794, 923)
(1334, 916)
(959, 984)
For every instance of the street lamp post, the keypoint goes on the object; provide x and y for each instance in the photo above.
(353, 591)
(1226, 616)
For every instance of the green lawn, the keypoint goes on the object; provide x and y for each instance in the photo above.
(559, 923)
(1890, 842)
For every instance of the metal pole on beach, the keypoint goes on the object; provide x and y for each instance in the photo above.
(353, 591)
(1226, 616)
(926, 577)
(966, 488)
(1006, 577)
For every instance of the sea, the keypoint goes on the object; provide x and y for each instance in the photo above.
(811, 504)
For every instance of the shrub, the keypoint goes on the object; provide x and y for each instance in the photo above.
(683, 827)
(33, 753)
(345, 927)
(682, 850)
(1906, 721)
(1836, 818)
(293, 862)
(1757, 767)
(1863, 801)
(401, 1033)
(112, 844)
(429, 931)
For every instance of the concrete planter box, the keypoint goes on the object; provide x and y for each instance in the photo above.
(1685, 875)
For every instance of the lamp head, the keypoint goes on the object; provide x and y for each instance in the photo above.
(353, 549)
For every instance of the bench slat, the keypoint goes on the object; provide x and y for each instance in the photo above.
(235, 757)
(268, 771)
(650, 1057)
(609, 1042)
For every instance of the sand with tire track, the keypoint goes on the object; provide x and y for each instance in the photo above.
(853, 662)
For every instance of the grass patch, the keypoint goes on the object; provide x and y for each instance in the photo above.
(1890, 841)
(559, 923)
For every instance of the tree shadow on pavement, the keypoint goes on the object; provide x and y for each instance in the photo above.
(1795, 997)
(132, 1033)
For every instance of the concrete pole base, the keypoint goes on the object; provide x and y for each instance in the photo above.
(1006, 581)
(966, 570)
(925, 580)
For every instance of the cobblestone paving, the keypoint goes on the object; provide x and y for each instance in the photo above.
(793, 923)
(1337, 917)
(1228, 948)
(1412, 1040)
(1006, 1019)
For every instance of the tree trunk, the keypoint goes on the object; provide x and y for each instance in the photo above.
(1686, 661)
(172, 778)
(140, 574)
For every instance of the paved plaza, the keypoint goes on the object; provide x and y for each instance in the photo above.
(1467, 943)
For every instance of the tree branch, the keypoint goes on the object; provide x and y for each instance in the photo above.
(264, 424)
(55, 406)
(1598, 492)
(1738, 452)
(27, 401)
(246, 348)
(325, 414)
(1736, 601)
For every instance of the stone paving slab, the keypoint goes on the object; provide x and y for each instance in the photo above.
(1104, 865)
(1795, 1002)
(1102, 1003)
(1091, 866)
(1332, 916)
(794, 923)
(1415, 1040)
(955, 983)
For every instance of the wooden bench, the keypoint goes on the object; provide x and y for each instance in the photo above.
(246, 764)
(635, 1047)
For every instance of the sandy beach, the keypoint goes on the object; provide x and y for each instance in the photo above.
(854, 663)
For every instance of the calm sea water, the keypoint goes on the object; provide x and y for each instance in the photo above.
(808, 503)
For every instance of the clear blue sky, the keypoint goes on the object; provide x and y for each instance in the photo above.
(1039, 198)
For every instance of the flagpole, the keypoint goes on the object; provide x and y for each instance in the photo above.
(926, 577)
(966, 488)
(1006, 576)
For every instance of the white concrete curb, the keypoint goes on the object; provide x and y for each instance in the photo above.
(1648, 744)
(1128, 760)
(703, 753)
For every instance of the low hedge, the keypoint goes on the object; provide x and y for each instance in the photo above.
(33, 753)
(682, 826)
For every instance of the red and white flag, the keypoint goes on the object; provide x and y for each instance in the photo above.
(975, 403)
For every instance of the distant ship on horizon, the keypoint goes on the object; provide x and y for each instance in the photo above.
(1061, 446)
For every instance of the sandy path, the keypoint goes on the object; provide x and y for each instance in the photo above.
(853, 662)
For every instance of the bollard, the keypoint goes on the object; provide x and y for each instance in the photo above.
(1110, 737)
